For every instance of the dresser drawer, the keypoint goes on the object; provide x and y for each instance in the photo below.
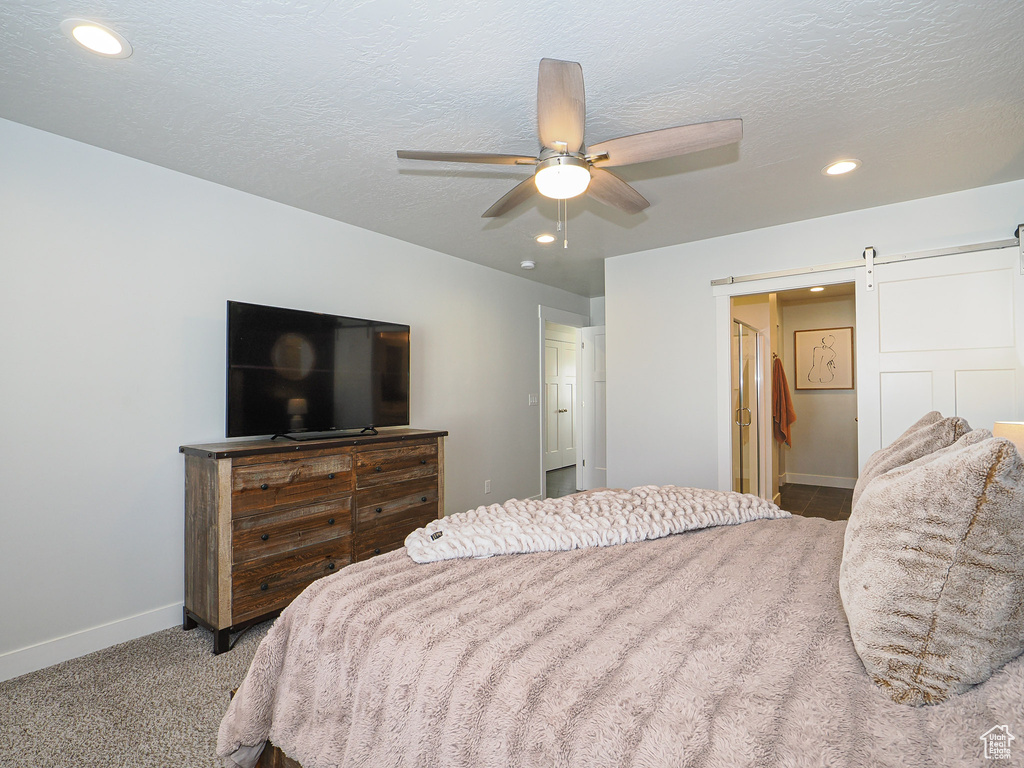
(259, 487)
(386, 505)
(386, 538)
(272, 533)
(393, 465)
(269, 584)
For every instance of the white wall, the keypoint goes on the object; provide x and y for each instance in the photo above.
(824, 435)
(662, 375)
(114, 279)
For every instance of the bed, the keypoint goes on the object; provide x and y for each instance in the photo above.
(725, 644)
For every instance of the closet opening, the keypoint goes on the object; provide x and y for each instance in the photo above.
(793, 398)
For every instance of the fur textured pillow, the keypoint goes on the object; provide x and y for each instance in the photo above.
(932, 576)
(927, 435)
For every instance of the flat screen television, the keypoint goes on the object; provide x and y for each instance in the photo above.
(292, 372)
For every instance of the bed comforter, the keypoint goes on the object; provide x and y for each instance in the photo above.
(719, 647)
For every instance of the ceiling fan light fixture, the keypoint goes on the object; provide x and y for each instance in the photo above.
(562, 177)
(840, 167)
(545, 239)
(97, 38)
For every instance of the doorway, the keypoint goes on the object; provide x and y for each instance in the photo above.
(571, 400)
(559, 401)
(807, 464)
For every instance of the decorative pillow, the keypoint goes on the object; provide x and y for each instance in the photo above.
(927, 435)
(932, 577)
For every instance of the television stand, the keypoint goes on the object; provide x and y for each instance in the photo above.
(339, 434)
(265, 519)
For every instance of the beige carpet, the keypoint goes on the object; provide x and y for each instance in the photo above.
(155, 701)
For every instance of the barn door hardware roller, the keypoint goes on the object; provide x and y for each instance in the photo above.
(869, 272)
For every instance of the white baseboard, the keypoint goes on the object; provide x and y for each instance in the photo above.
(826, 480)
(49, 652)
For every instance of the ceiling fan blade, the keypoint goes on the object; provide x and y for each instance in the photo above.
(609, 189)
(561, 105)
(468, 157)
(670, 142)
(515, 196)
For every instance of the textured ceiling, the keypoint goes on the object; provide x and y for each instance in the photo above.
(306, 103)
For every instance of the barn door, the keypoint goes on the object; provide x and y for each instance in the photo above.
(942, 333)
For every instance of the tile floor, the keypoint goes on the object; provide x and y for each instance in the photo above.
(816, 501)
(561, 482)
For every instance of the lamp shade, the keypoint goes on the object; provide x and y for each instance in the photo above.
(562, 177)
(1012, 431)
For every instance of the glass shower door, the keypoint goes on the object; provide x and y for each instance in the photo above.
(746, 386)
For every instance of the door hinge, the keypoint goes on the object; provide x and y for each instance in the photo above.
(584, 462)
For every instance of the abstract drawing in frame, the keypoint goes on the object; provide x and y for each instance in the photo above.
(824, 358)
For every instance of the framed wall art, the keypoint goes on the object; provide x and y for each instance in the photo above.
(824, 358)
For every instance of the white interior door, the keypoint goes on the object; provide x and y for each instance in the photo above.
(945, 334)
(592, 471)
(559, 403)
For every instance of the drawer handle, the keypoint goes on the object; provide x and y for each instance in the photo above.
(330, 566)
(331, 521)
(264, 587)
(376, 551)
(264, 487)
(423, 461)
(378, 510)
(378, 469)
(265, 536)
(423, 498)
(330, 476)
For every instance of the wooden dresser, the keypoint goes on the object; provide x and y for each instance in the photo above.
(265, 518)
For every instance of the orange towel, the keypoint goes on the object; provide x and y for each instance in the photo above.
(782, 405)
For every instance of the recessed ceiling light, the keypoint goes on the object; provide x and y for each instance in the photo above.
(817, 289)
(840, 167)
(527, 264)
(545, 239)
(97, 38)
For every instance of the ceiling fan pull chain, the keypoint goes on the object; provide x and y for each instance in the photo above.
(565, 233)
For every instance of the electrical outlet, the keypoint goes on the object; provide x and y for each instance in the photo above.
(487, 486)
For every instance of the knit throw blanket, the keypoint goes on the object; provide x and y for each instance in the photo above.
(595, 519)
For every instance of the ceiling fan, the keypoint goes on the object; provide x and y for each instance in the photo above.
(565, 167)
